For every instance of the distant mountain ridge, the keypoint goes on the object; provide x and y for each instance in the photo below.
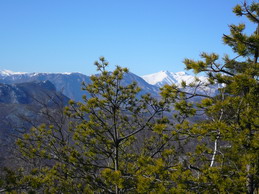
(22, 106)
(21, 93)
(162, 78)
(70, 84)
(30, 93)
(165, 77)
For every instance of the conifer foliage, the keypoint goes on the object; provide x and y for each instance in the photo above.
(117, 141)
(227, 156)
(113, 142)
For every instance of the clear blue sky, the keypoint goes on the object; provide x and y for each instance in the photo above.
(144, 35)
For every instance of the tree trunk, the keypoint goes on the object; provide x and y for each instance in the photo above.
(215, 151)
(116, 164)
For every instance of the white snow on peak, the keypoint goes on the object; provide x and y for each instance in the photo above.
(49, 73)
(9, 72)
(165, 77)
(160, 77)
(66, 73)
(181, 73)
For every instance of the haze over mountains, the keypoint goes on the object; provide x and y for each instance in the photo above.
(22, 105)
(27, 93)
(70, 84)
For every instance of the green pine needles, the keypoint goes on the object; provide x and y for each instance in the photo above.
(117, 141)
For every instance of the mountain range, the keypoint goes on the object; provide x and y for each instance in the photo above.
(24, 96)
(162, 78)
(70, 83)
(165, 77)
(22, 106)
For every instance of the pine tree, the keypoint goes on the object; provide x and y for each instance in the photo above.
(226, 158)
(116, 142)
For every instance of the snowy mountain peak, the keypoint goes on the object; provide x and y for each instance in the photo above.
(70, 83)
(181, 73)
(159, 78)
(165, 77)
(162, 78)
(6, 72)
(164, 72)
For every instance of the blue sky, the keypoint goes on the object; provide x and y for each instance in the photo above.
(146, 36)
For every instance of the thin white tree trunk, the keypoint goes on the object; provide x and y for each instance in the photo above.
(215, 150)
(218, 136)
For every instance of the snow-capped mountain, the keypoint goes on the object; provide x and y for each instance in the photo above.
(67, 83)
(162, 78)
(5, 73)
(70, 84)
(165, 77)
